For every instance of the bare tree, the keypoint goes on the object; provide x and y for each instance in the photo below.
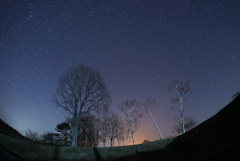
(81, 89)
(34, 136)
(148, 104)
(96, 131)
(88, 130)
(189, 123)
(85, 129)
(114, 127)
(121, 133)
(124, 135)
(182, 88)
(132, 115)
(105, 130)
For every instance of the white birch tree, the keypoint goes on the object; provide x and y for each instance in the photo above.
(182, 88)
(148, 104)
(80, 90)
(132, 114)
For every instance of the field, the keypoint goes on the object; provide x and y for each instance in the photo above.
(30, 150)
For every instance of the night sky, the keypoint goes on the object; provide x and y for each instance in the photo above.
(139, 47)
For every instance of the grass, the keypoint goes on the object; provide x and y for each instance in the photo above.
(35, 151)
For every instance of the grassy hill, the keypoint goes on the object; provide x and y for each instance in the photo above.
(216, 139)
(33, 151)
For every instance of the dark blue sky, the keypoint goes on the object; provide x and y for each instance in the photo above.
(139, 46)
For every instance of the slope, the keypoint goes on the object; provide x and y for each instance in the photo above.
(218, 138)
(8, 130)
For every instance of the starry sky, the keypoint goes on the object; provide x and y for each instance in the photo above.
(139, 47)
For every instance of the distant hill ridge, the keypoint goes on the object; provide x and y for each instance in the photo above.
(8, 130)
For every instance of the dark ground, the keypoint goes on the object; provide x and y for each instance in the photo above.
(6, 155)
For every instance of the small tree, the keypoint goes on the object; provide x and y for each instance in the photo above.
(81, 90)
(121, 133)
(87, 129)
(105, 130)
(114, 127)
(52, 138)
(145, 141)
(34, 136)
(94, 131)
(188, 121)
(132, 114)
(124, 135)
(182, 88)
(85, 126)
(65, 132)
(148, 104)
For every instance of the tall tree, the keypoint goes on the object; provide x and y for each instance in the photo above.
(132, 114)
(81, 89)
(148, 104)
(182, 88)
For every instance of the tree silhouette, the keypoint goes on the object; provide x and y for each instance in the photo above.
(189, 123)
(131, 112)
(148, 104)
(80, 90)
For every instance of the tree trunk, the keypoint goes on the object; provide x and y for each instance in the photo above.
(106, 141)
(84, 138)
(155, 124)
(111, 142)
(119, 144)
(181, 111)
(75, 132)
(132, 135)
(133, 139)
